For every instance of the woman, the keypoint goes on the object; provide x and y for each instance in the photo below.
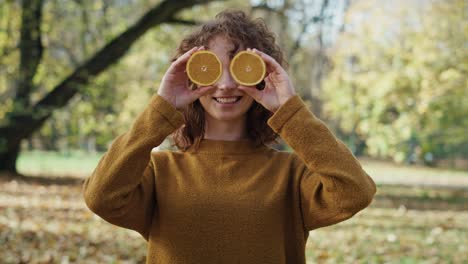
(225, 196)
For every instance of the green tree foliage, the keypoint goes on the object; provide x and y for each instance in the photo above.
(400, 82)
(110, 103)
(63, 47)
(72, 32)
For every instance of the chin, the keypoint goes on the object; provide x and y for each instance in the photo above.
(227, 117)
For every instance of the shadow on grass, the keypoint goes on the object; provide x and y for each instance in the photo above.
(421, 197)
(42, 179)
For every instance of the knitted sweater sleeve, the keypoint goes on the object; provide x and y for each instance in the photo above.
(332, 184)
(121, 189)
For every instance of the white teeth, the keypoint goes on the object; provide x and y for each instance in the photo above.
(227, 100)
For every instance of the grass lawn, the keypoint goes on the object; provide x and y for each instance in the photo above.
(80, 164)
(390, 173)
(57, 164)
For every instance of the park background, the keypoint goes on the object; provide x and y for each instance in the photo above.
(388, 77)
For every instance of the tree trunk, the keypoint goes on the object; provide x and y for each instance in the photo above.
(8, 160)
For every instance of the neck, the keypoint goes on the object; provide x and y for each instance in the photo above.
(225, 129)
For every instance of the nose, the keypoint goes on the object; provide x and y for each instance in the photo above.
(226, 81)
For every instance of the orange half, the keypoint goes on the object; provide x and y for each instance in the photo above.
(203, 68)
(247, 68)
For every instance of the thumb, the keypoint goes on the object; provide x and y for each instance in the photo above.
(252, 91)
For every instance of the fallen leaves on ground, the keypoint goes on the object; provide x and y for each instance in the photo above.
(51, 224)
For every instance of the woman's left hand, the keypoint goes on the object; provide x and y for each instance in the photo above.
(278, 87)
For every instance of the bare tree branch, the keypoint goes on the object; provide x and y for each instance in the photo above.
(183, 22)
(305, 25)
(264, 6)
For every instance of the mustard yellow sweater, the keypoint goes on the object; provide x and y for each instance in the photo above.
(228, 202)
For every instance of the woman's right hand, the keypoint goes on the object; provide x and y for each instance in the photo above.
(174, 85)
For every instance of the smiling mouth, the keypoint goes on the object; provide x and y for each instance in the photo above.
(230, 100)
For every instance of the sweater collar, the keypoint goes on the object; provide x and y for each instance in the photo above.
(240, 146)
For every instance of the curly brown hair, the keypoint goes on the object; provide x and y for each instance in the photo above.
(241, 30)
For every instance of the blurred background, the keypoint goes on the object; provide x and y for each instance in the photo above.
(388, 77)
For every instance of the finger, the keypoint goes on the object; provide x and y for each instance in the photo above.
(270, 69)
(269, 79)
(268, 82)
(252, 91)
(272, 64)
(187, 54)
(180, 62)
